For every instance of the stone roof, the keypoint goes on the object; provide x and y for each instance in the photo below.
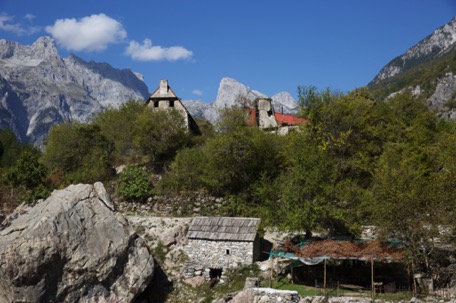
(163, 91)
(224, 228)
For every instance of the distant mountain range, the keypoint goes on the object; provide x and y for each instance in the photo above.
(428, 69)
(39, 89)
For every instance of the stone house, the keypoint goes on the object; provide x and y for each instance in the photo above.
(164, 98)
(219, 243)
(265, 117)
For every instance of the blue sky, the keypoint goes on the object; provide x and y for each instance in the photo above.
(271, 46)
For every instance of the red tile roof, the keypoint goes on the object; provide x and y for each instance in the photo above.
(282, 119)
(287, 119)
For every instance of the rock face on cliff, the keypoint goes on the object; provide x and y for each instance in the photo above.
(427, 69)
(72, 247)
(38, 88)
(435, 45)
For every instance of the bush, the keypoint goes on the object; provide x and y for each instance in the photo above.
(134, 184)
(79, 151)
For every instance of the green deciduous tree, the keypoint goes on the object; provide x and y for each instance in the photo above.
(10, 148)
(28, 171)
(160, 134)
(187, 170)
(118, 126)
(80, 151)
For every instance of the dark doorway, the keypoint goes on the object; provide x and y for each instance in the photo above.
(215, 273)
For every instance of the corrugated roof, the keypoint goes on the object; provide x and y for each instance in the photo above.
(223, 228)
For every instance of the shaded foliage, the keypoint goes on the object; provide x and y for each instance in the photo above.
(117, 125)
(160, 134)
(79, 151)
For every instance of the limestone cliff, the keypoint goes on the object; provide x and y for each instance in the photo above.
(39, 89)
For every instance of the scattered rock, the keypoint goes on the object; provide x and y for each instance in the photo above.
(195, 281)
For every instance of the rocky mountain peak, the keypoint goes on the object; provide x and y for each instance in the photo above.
(44, 48)
(285, 102)
(427, 49)
(426, 69)
(15, 54)
(231, 92)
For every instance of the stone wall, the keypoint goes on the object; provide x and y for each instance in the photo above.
(191, 204)
(204, 254)
(266, 117)
(266, 295)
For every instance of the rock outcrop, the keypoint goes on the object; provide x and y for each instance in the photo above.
(72, 247)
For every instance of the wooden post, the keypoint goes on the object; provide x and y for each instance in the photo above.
(414, 279)
(292, 282)
(324, 278)
(372, 278)
(270, 273)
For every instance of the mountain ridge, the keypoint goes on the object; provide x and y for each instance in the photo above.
(426, 69)
(425, 50)
(39, 89)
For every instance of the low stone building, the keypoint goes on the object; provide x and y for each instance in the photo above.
(219, 243)
(164, 98)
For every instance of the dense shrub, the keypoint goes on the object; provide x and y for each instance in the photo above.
(134, 184)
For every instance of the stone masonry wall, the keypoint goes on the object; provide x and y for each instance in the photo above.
(267, 295)
(204, 254)
(192, 204)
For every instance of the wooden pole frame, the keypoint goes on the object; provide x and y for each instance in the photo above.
(324, 277)
(372, 278)
(271, 263)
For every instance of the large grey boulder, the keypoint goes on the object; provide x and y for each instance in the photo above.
(72, 247)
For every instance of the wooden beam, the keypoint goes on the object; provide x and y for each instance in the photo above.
(372, 278)
(324, 277)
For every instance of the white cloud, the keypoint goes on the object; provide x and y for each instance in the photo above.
(92, 33)
(7, 24)
(149, 52)
(29, 17)
(197, 92)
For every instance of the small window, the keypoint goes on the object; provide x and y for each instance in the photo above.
(227, 252)
(171, 103)
(156, 104)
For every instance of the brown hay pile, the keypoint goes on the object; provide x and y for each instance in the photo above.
(347, 249)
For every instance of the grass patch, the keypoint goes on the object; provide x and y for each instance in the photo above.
(282, 283)
(399, 296)
(236, 279)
